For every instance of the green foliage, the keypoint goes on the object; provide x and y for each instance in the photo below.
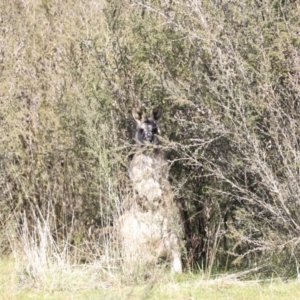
(57, 121)
(227, 76)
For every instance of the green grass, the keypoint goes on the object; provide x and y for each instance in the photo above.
(187, 286)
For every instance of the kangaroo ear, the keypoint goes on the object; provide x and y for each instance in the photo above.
(138, 114)
(157, 113)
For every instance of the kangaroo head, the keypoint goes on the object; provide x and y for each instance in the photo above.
(147, 127)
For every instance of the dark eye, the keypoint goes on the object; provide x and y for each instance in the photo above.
(141, 131)
(154, 130)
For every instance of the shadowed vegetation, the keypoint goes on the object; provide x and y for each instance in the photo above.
(226, 74)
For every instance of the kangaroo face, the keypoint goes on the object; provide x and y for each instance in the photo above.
(147, 132)
(148, 128)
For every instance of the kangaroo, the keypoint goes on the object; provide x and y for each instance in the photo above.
(150, 228)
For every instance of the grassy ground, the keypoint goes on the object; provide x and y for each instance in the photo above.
(170, 287)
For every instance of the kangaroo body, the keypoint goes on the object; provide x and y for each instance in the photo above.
(150, 228)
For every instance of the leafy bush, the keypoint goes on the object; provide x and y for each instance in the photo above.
(227, 76)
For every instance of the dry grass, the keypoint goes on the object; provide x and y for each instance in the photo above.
(84, 282)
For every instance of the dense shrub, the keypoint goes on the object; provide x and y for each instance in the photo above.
(227, 76)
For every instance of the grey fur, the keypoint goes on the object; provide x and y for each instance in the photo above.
(150, 228)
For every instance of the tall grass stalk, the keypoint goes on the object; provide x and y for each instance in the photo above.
(46, 260)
